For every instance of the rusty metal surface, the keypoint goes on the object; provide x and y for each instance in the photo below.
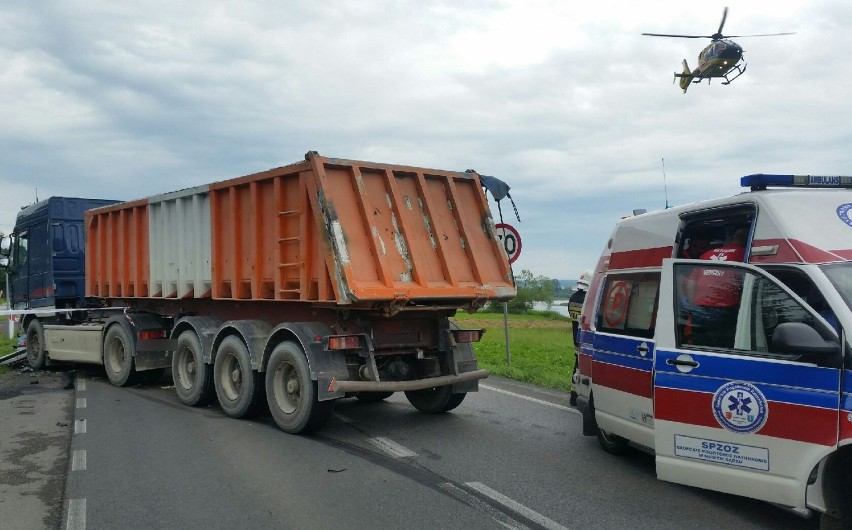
(326, 231)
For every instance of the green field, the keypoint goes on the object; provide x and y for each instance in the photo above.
(542, 351)
(6, 344)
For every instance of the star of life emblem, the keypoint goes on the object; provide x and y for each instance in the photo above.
(740, 407)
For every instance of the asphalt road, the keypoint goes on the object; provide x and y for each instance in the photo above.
(511, 455)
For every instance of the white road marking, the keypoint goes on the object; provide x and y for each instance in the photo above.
(76, 514)
(515, 506)
(78, 460)
(81, 383)
(80, 427)
(391, 447)
(534, 400)
(81, 403)
(475, 502)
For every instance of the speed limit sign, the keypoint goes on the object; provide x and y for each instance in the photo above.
(511, 240)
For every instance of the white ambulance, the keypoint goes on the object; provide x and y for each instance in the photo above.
(746, 391)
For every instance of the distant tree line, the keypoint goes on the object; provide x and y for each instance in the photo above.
(532, 289)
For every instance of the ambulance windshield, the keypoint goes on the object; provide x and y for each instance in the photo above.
(840, 275)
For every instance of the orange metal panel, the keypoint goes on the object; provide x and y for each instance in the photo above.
(402, 233)
(117, 262)
(325, 230)
(264, 242)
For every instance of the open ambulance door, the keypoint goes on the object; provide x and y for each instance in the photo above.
(752, 417)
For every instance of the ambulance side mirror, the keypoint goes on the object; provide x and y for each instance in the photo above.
(797, 338)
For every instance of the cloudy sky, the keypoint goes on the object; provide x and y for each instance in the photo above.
(565, 101)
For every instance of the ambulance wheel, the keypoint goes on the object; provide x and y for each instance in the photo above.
(192, 378)
(434, 400)
(36, 355)
(291, 394)
(372, 397)
(118, 356)
(237, 385)
(612, 443)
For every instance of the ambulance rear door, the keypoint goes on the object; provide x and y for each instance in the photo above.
(752, 419)
(622, 353)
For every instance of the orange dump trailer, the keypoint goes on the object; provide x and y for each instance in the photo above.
(299, 285)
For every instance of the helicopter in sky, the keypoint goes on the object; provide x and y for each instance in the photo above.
(722, 58)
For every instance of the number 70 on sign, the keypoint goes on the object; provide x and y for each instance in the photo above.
(511, 240)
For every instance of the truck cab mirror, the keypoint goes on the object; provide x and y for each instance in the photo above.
(4, 261)
(799, 338)
(5, 247)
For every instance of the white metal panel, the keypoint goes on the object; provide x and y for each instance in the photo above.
(180, 244)
(74, 343)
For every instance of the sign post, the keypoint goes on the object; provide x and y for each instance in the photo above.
(511, 240)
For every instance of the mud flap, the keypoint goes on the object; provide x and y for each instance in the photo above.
(151, 360)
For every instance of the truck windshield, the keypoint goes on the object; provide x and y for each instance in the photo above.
(840, 275)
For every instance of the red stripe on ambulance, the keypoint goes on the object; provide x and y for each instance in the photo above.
(784, 420)
(630, 380)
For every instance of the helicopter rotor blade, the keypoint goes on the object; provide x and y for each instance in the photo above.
(722, 24)
(678, 36)
(759, 35)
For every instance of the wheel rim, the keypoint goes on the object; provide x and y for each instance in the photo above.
(231, 378)
(33, 347)
(287, 388)
(116, 355)
(187, 369)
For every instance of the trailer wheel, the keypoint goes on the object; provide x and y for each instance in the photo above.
(434, 400)
(236, 383)
(192, 378)
(290, 392)
(36, 355)
(612, 443)
(118, 356)
(372, 397)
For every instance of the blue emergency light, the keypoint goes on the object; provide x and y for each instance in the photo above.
(761, 181)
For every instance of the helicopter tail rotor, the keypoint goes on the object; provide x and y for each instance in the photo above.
(686, 77)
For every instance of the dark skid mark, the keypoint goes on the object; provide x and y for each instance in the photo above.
(426, 477)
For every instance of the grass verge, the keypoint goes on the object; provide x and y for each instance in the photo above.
(7, 345)
(540, 345)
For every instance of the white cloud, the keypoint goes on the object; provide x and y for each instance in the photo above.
(567, 102)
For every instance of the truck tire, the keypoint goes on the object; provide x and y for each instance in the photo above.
(118, 356)
(290, 392)
(192, 378)
(36, 354)
(236, 383)
(612, 443)
(434, 400)
(372, 397)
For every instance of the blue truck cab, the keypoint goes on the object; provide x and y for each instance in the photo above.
(47, 254)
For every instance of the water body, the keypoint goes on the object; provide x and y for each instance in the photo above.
(560, 306)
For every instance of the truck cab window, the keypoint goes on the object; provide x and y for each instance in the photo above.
(21, 251)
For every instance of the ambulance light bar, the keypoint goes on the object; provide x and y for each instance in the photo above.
(761, 181)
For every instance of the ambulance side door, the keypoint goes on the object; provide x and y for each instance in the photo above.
(753, 419)
(622, 353)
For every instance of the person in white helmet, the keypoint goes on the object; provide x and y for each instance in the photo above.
(575, 306)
